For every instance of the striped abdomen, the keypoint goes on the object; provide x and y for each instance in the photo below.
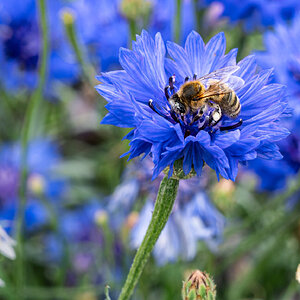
(230, 104)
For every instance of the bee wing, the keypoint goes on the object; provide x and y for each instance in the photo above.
(215, 89)
(223, 75)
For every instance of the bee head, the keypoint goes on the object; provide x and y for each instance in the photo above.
(177, 105)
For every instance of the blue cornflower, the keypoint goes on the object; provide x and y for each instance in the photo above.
(193, 218)
(20, 44)
(43, 156)
(257, 14)
(138, 98)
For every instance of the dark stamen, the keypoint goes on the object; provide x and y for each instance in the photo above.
(157, 110)
(232, 126)
(171, 82)
(187, 133)
(151, 105)
(195, 76)
(187, 78)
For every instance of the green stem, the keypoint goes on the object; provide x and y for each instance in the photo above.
(162, 210)
(197, 15)
(87, 70)
(25, 135)
(177, 31)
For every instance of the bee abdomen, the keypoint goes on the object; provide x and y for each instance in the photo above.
(231, 105)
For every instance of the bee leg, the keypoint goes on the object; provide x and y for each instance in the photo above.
(167, 92)
(195, 76)
(187, 78)
(197, 117)
(205, 123)
(174, 116)
(232, 126)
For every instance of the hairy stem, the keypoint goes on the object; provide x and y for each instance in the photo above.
(162, 210)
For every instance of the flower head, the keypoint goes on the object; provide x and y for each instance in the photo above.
(142, 97)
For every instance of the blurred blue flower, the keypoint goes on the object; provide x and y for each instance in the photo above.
(196, 220)
(103, 27)
(193, 218)
(257, 14)
(282, 52)
(166, 135)
(43, 156)
(20, 43)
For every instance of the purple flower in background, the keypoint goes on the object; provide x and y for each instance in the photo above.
(138, 97)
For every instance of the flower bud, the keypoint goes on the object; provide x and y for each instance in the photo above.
(36, 184)
(199, 286)
(135, 9)
(101, 217)
(68, 16)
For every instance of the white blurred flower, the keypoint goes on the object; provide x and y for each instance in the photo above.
(298, 273)
(6, 248)
(7, 244)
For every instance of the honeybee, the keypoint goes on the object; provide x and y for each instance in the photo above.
(215, 90)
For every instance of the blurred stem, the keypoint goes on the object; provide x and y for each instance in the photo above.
(242, 43)
(177, 31)
(162, 210)
(278, 200)
(197, 15)
(280, 225)
(107, 293)
(25, 136)
(87, 70)
(133, 31)
(108, 244)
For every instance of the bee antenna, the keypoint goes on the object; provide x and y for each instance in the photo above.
(232, 126)
(195, 76)
(187, 78)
